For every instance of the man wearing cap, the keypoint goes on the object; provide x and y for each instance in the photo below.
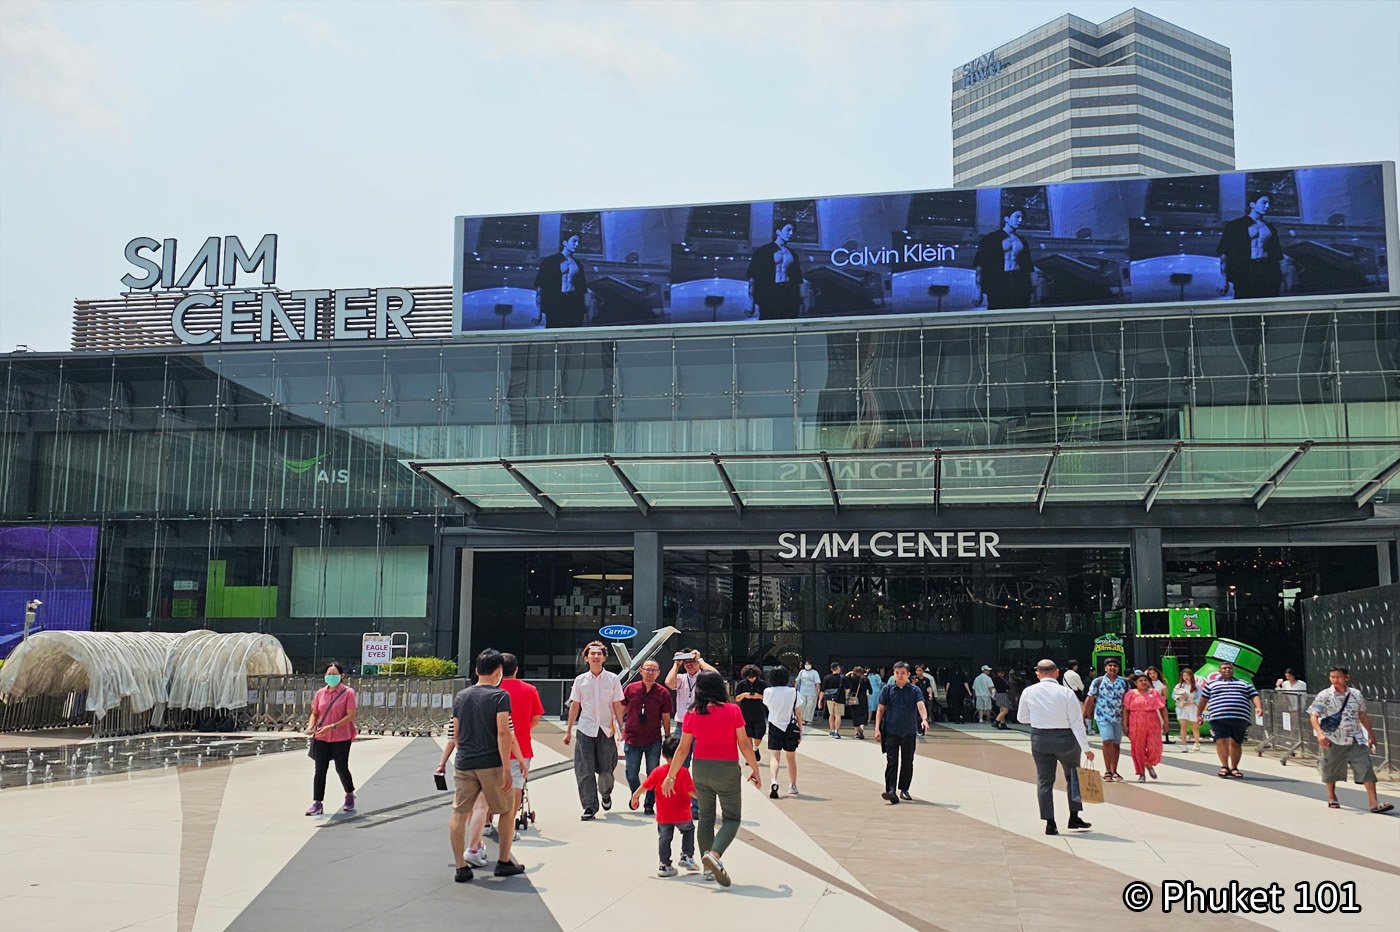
(1057, 737)
(1225, 703)
(1105, 704)
(982, 689)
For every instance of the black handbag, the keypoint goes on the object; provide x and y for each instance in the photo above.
(1334, 721)
(311, 744)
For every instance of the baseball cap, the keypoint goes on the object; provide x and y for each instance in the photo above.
(986, 669)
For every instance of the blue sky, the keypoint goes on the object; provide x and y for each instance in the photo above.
(357, 131)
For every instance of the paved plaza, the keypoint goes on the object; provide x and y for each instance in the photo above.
(225, 847)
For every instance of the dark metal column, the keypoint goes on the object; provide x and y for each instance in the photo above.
(464, 612)
(1149, 583)
(1385, 562)
(647, 568)
(444, 590)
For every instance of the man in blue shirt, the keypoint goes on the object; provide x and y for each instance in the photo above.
(899, 718)
(1226, 704)
(1105, 704)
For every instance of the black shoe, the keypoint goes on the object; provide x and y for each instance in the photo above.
(1050, 828)
(904, 794)
(607, 802)
(463, 875)
(587, 816)
(1076, 822)
(773, 791)
(649, 810)
(889, 794)
(509, 868)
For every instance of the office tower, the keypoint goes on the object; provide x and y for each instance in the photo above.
(1134, 95)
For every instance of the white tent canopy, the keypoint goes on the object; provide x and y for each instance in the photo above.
(205, 670)
(197, 669)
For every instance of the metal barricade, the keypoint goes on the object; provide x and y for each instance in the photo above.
(1288, 728)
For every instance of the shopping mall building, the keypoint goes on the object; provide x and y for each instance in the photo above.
(881, 468)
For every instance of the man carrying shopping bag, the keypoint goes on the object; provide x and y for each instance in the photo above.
(1057, 738)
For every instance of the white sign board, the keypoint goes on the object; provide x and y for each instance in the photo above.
(375, 652)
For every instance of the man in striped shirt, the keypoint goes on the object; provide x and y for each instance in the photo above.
(1225, 703)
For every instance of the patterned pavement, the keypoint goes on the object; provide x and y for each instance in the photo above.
(225, 847)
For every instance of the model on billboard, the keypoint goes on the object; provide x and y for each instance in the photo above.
(1251, 257)
(1003, 264)
(775, 278)
(561, 287)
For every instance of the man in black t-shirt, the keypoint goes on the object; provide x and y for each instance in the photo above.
(834, 695)
(482, 739)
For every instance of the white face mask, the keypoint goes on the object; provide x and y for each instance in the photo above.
(806, 666)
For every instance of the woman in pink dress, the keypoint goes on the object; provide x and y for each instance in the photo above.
(1145, 714)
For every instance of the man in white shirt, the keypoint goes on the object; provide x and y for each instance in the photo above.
(1057, 737)
(1074, 681)
(595, 703)
(686, 665)
(982, 689)
(808, 685)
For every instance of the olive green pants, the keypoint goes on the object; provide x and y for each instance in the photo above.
(717, 779)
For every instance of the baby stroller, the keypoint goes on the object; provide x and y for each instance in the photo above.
(525, 815)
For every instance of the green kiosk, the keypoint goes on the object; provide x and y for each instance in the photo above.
(1173, 637)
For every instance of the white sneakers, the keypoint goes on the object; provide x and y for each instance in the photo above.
(476, 857)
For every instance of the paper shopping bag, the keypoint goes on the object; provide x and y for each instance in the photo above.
(1090, 785)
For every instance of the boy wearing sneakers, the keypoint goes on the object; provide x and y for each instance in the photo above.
(672, 810)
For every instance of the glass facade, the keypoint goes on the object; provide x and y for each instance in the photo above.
(216, 477)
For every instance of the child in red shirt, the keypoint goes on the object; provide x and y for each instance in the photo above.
(672, 811)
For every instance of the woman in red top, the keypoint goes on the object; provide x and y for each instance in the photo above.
(1145, 714)
(714, 727)
(332, 730)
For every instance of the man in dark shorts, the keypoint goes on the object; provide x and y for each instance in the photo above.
(482, 738)
(899, 718)
(748, 693)
(1225, 703)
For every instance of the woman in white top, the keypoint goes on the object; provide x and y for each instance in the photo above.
(784, 727)
(1187, 698)
(1298, 702)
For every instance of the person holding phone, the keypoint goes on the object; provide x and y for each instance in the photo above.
(900, 718)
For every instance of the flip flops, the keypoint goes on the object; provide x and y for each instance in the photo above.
(1383, 807)
(1237, 774)
(1333, 804)
(1224, 773)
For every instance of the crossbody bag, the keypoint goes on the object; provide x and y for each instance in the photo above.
(311, 744)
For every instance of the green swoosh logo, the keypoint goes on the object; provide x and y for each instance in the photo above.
(301, 466)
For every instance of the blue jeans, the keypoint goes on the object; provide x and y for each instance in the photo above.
(634, 754)
(666, 833)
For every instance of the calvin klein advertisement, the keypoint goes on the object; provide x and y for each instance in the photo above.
(1239, 236)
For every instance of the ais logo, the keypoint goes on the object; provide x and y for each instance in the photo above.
(323, 475)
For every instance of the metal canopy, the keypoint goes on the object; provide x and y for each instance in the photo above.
(1176, 471)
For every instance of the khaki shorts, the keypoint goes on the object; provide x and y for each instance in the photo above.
(835, 709)
(469, 784)
(1332, 764)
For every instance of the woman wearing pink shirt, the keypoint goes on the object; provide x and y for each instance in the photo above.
(332, 729)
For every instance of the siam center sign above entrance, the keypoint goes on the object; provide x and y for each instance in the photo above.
(902, 545)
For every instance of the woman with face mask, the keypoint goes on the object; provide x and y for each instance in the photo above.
(332, 729)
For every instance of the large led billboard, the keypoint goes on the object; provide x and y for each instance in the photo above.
(56, 564)
(1238, 236)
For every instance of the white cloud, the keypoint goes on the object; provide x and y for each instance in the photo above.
(595, 39)
(53, 72)
(317, 30)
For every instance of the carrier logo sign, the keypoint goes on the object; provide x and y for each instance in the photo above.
(617, 632)
(904, 545)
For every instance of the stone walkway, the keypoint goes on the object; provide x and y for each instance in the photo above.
(225, 847)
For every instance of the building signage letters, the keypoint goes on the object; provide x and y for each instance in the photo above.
(217, 263)
(885, 255)
(980, 69)
(904, 545)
